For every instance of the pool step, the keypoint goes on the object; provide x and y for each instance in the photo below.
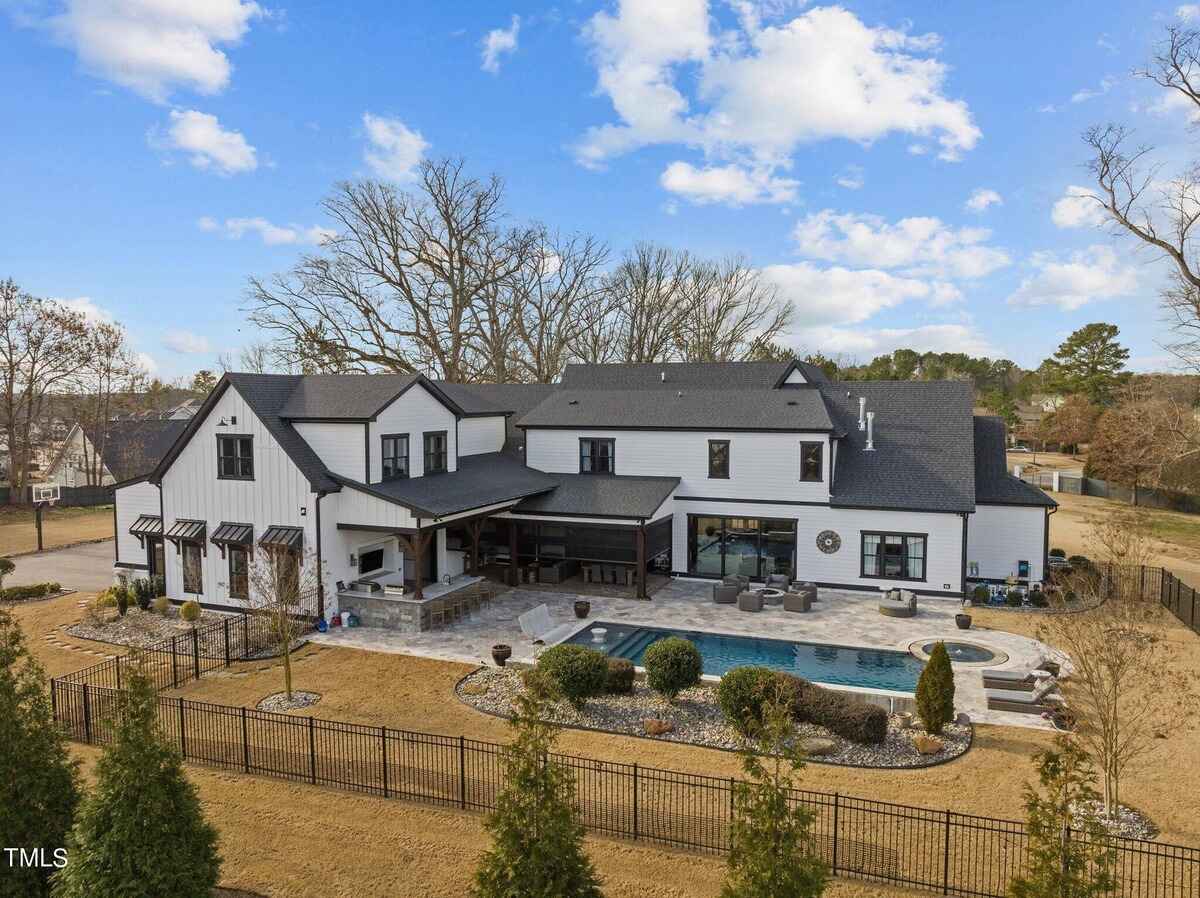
(632, 645)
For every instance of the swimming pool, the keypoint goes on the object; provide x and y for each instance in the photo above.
(838, 665)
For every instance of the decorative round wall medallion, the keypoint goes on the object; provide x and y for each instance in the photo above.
(828, 541)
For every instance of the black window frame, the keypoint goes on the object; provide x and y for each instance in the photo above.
(245, 463)
(184, 548)
(384, 457)
(905, 537)
(231, 552)
(718, 475)
(591, 455)
(444, 454)
(805, 446)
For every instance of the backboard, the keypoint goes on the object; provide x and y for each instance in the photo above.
(46, 493)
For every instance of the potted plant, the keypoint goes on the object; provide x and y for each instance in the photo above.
(501, 653)
(962, 620)
(582, 608)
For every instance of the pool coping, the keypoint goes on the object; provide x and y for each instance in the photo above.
(999, 659)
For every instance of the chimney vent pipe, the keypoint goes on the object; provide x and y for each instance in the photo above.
(662, 376)
(862, 410)
(870, 432)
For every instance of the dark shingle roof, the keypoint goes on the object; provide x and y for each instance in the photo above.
(480, 399)
(684, 375)
(480, 480)
(687, 409)
(924, 458)
(993, 484)
(593, 494)
(132, 449)
(353, 396)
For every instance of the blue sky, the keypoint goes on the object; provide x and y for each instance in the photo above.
(156, 153)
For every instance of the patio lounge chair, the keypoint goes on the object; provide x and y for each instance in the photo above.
(1024, 680)
(778, 581)
(540, 628)
(905, 607)
(1040, 700)
(750, 601)
(725, 593)
(797, 601)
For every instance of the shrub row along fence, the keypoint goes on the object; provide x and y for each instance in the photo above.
(946, 852)
(1150, 583)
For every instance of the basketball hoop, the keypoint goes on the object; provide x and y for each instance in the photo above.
(46, 494)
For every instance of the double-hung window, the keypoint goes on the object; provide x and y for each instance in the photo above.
(597, 456)
(239, 573)
(235, 457)
(394, 455)
(193, 567)
(435, 452)
(718, 459)
(893, 556)
(810, 462)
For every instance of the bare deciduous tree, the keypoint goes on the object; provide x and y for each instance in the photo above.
(283, 589)
(649, 302)
(104, 387)
(1142, 437)
(732, 313)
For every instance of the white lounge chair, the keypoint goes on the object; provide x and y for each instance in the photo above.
(537, 624)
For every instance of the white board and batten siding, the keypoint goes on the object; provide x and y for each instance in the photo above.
(998, 536)
(278, 494)
(943, 545)
(479, 435)
(132, 502)
(340, 445)
(415, 413)
(761, 465)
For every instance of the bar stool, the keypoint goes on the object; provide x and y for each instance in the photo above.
(437, 614)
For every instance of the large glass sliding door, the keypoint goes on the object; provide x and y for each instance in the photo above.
(750, 547)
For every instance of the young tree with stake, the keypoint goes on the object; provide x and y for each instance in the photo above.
(283, 593)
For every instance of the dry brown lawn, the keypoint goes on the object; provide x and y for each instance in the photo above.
(1047, 461)
(60, 527)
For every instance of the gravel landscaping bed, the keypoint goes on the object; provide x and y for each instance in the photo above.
(695, 718)
(1125, 821)
(280, 702)
(141, 628)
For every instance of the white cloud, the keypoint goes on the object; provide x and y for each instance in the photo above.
(764, 90)
(981, 198)
(836, 295)
(210, 146)
(1083, 276)
(1077, 209)
(922, 246)
(497, 42)
(186, 342)
(147, 362)
(271, 234)
(86, 306)
(866, 343)
(729, 184)
(395, 150)
(1048, 107)
(152, 46)
(1090, 93)
(851, 177)
(1189, 12)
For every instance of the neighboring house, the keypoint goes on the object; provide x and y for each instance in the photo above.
(128, 450)
(692, 470)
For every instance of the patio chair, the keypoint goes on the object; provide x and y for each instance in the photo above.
(905, 607)
(725, 593)
(797, 601)
(1039, 701)
(750, 601)
(737, 580)
(778, 581)
(1023, 679)
(537, 624)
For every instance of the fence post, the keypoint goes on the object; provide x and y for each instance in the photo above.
(117, 662)
(1142, 581)
(1066, 853)
(54, 700)
(836, 802)
(462, 772)
(175, 662)
(245, 635)
(245, 741)
(87, 716)
(946, 857)
(226, 627)
(312, 745)
(635, 801)
(182, 731)
(383, 745)
(195, 653)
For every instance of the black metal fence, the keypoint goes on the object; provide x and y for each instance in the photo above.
(1155, 583)
(938, 850)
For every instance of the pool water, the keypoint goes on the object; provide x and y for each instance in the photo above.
(838, 665)
(963, 651)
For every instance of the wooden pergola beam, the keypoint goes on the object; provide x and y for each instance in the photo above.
(416, 544)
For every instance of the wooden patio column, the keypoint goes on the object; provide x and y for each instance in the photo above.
(641, 561)
(474, 530)
(514, 576)
(416, 546)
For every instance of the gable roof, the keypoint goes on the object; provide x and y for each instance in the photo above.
(993, 484)
(352, 397)
(683, 409)
(686, 375)
(924, 457)
(591, 495)
(130, 449)
(509, 399)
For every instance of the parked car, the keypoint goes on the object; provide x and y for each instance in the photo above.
(1019, 449)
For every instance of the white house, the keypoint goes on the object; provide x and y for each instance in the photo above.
(127, 449)
(396, 486)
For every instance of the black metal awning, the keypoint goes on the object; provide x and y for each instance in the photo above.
(290, 539)
(230, 534)
(146, 525)
(187, 531)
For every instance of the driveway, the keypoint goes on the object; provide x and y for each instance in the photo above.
(87, 568)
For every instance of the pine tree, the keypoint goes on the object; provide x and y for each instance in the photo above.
(140, 833)
(537, 839)
(1090, 361)
(1064, 863)
(935, 691)
(772, 854)
(38, 780)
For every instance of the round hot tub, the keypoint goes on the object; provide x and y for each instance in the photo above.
(969, 653)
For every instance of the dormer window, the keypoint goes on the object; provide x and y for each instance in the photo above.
(394, 456)
(235, 457)
(811, 468)
(597, 456)
(435, 452)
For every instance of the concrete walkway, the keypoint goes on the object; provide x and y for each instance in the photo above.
(840, 618)
(87, 568)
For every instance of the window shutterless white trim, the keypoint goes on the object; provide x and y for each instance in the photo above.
(913, 552)
(235, 456)
(812, 462)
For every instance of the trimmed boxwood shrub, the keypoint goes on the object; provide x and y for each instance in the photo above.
(619, 680)
(1080, 561)
(740, 696)
(30, 591)
(1038, 599)
(841, 713)
(162, 605)
(1058, 553)
(981, 593)
(1014, 598)
(577, 671)
(189, 610)
(143, 593)
(672, 665)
